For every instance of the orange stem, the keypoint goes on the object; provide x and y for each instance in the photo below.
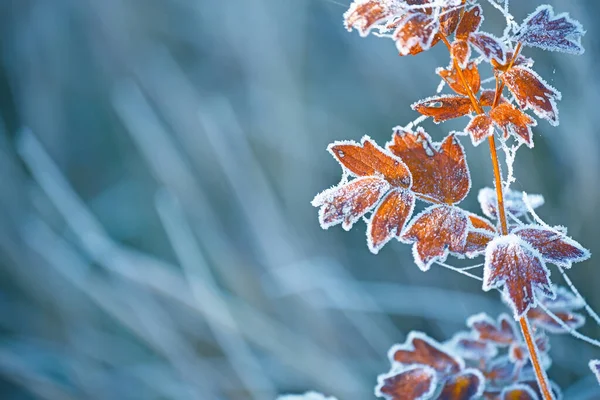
(523, 322)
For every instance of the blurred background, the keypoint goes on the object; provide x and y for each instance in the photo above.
(157, 163)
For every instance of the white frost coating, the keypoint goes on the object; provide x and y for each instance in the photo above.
(510, 20)
(595, 367)
(408, 346)
(398, 369)
(404, 46)
(306, 396)
(517, 203)
(498, 46)
(551, 32)
(489, 350)
(567, 328)
(586, 306)
(520, 386)
(490, 283)
(510, 155)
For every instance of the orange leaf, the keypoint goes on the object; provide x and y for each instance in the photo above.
(461, 52)
(489, 47)
(532, 92)
(469, 23)
(471, 74)
(512, 263)
(554, 246)
(389, 218)
(468, 384)
(439, 171)
(415, 32)
(520, 61)
(487, 98)
(518, 391)
(481, 223)
(479, 234)
(506, 116)
(368, 159)
(480, 128)
(443, 108)
(413, 382)
(363, 15)
(421, 349)
(501, 332)
(435, 232)
(449, 20)
(347, 203)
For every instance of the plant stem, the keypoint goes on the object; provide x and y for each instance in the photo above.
(523, 322)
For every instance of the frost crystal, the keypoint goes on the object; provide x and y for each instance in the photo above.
(513, 202)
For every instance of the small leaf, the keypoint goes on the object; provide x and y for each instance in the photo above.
(490, 47)
(595, 367)
(532, 92)
(479, 233)
(508, 117)
(467, 385)
(470, 73)
(449, 20)
(513, 264)
(470, 22)
(461, 52)
(539, 318)
(549, 32)
(502, 332)
(346, 204)
(480, 128)
(554, 246)
(499, 372)
(439, 171)
(478, 222)
(519, 354)
(443, 108)
(435, 232)
(389, 218)
(363, 15)
(414, 382)
(415, 33)
(421, 349)
(564, 300)
(487, 98)
(469, 347)
(518, 391)
(513, 202)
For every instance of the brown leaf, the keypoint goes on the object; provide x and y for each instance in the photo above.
(554, 246)
(508, 117)
(411, 383)
(467, 385)
(487, 98)
(470, 73)
(502, 332)
(518, 391)
(488, 46)
(443, 108)
(346, 204)
(499, 372)
(439, 171)
(469, 23)
(461, 52)
(532, 92)
(513, 202)
(469, 347)
(415, 33)
(513, 264)
(368, 159)
(435, 232)
(539, 318)
(449, 20)
(389, 218)
(421, 349)
(480, 128)
(478, 222)
(363, 15)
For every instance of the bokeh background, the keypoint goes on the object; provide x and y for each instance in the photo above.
(157, 162)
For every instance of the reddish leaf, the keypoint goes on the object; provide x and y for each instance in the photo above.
(480, 128)
(469, 347)
(368, 159)
(412, 383)
(363, 15)
(439, 171)
(487, 98)
(443, 108)
(470, 73)
(389, 218)
(346, 204)
(499, 372)
(544, 321)
(564, 300)
(449, 20)
(502, 332)
(415, 33)
(461, 52)
(435, 232)
(512, 263)
(520, 61)
(549, 32)
(554, 246)
(508, 117)
(513, 202)
(421, 349)
(489, 47)
(467, 385)
(595, 367)
(478, 222)
(479, 234)
(532, 92)
(518, 392)
(470, 22)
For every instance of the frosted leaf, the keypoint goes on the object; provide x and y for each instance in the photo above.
(416, 382)
(541, 319)
(363, 15)
(532, 92)
(469, 347)
(461, 52)
(451, 77)
(479, 233)
(435, 232)
(501, 332)
(346, 204)
(487, 98)
(389, 218)
(520, 61)
(554, 246)
(500, 372)
(449, 20)
(415, 33)
(439, 171)
(444, 107)
(564, 300)
(306, 396)
(470, 22)
(595, 367)
(510, 119)
(512, 264)
(551, 32)
(469, 384)
(489, 46)
(513, 202)
(421, 349)
(518, 391)
(480, 128)
(519, 353)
